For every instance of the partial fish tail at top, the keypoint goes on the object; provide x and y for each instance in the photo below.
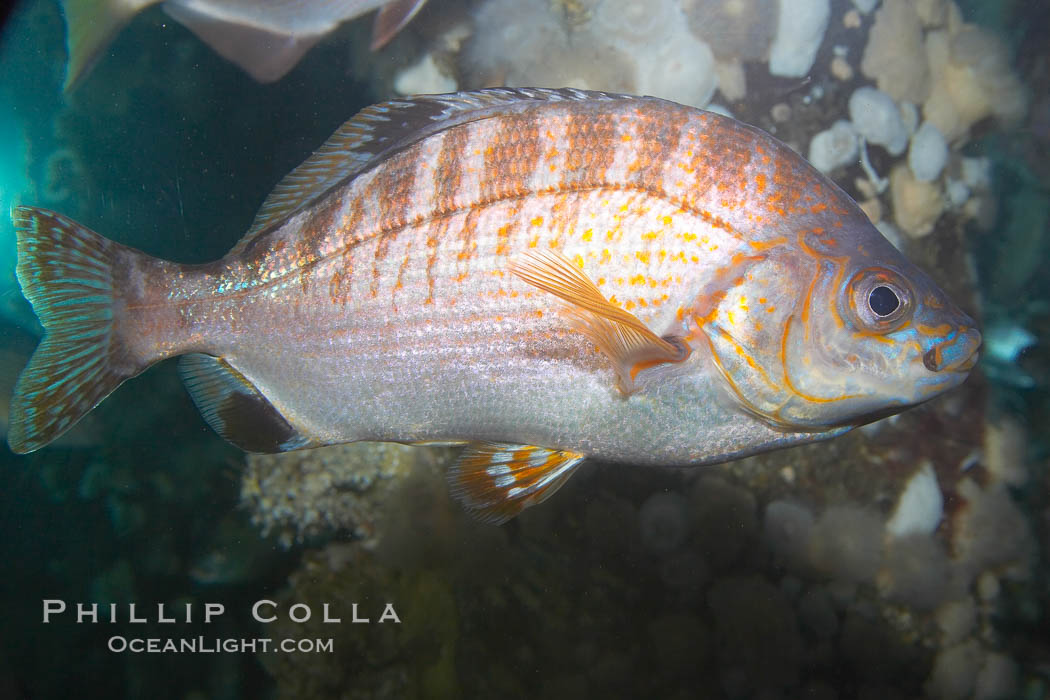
(67, 274)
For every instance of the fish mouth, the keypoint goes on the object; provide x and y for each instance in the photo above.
(957, 354)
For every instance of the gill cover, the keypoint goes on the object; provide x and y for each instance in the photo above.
(820, 334)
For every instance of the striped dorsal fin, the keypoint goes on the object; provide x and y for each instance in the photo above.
(377, 131)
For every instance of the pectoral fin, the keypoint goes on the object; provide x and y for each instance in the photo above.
(496, 481)
(628, 342)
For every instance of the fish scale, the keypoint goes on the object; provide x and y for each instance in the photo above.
(544, 275)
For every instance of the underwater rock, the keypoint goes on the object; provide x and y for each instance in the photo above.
(997, 679)
(915, 572)
(928, 153)
(663, 521)
(233, 554)
(956, 619)
(787, 528)
(834, 148)
(991, 532)
(919, 507)
(800, 31)
(525, 43)
(841, 69)
(732, 80)
(342, 488)
(955, 672)
(934, 13)
(412, 658)
(972, 79)
(675, 64)
(895, 57)
(1005, 443)
(424, 78)
(877, 119)
(617, 45)
(916, 205)
(846, 543)
(740, 30)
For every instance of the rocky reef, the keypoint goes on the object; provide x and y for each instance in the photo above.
(902, 560)
(906, 559)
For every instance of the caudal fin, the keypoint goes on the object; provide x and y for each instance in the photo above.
(66, 273)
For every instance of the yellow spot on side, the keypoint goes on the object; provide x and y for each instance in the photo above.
(587, 235)
(643, 256)
(538, 221)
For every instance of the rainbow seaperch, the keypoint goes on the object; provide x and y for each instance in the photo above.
(545, 275)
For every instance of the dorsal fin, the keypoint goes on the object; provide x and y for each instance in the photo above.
(381, 129)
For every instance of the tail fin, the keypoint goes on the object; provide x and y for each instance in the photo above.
(66, 273)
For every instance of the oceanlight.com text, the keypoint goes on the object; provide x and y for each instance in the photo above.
(216, 645)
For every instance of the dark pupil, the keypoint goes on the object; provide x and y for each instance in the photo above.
(883, 301)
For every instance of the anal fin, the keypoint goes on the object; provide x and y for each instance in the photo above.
(235, 408)
(628, 342)
(496, 481)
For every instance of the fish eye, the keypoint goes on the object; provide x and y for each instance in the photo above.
(883, 301)
(880, 300)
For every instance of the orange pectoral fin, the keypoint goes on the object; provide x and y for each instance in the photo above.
(628, 342)
(496, 481)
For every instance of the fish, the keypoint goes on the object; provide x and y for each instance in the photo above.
(542, 276)
(265, 38)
